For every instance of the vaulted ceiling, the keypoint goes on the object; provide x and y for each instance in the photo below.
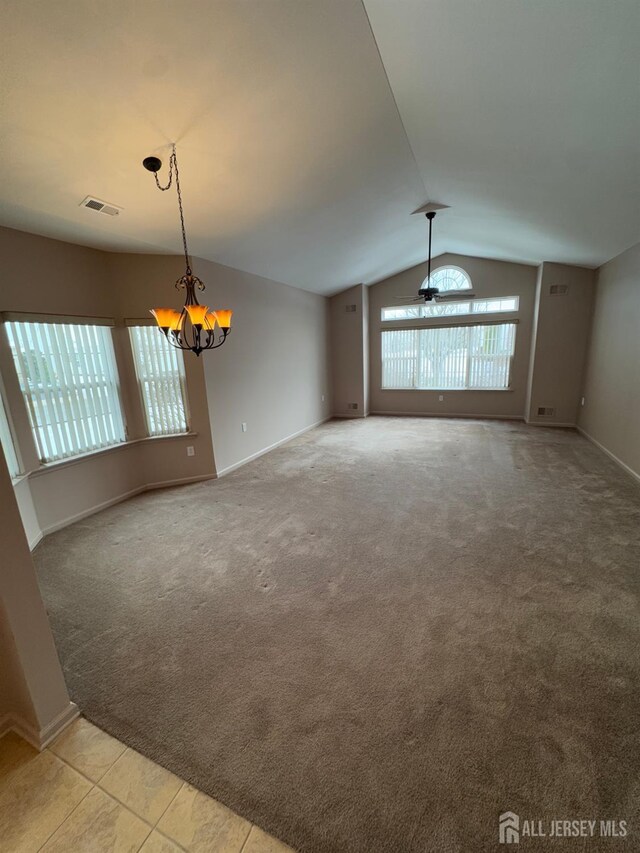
(308, 131)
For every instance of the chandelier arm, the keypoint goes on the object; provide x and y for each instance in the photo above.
(219, 344)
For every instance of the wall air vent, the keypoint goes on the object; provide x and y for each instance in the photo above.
(350, 309)
(558, 289)
(100, 206)
(546, 411)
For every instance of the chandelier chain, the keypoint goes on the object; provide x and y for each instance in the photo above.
(173, 166)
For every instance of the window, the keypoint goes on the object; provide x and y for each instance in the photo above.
(69, 381)
(6, 439)
(448, 358)
(160, 371)
(452, 309)
(448, 278)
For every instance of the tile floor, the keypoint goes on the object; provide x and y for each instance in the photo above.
(89, 793)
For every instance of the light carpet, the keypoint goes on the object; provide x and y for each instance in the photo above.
(375, 638)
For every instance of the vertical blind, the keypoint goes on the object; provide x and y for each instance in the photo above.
(7, 442)
(455, 358)
(161, 377)
(68, 377)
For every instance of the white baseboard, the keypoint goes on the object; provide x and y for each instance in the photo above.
(257, 454)
(550, 424)
(39, 739)
(5, 724)
(59, 525)
(71, 519)
(350, 417)
(36, 539)
(626, 468)
(183, 481)
(449, 415)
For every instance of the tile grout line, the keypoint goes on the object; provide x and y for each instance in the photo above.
(82, 799)
(159, 831)
(244, 843)
(152, 827)
(97, 785)
(169, 838)
(84, 775)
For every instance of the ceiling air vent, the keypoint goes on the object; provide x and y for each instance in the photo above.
(558, 289)
(100, 206)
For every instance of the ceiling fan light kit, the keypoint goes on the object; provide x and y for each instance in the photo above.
(196, 327)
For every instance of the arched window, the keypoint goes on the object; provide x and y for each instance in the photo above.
(449, 278)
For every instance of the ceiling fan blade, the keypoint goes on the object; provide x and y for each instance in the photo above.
(408, 298)
(455, 296)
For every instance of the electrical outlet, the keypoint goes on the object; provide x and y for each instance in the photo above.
(582, 401)
(244, 427)
(191, 451)
(322, 398)
(441, 397)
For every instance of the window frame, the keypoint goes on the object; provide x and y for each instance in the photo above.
(468, 286)
(426, 325)
(468, 314)
(104, 358)
(12, 454)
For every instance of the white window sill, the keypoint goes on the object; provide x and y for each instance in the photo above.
(46, 467)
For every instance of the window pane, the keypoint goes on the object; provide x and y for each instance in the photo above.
(7, 442)
(448, 278)
(69, 381)
(459, 358)
(161, 377)
(452, 309)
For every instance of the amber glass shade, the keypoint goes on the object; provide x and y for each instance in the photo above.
(197, 314)
(167, 318)
(224, 318)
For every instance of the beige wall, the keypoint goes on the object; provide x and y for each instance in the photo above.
(273, 371)
(33, 696)
(611, 414)
(14, 694)
(488, 278)
(559, 345)
(349, 352)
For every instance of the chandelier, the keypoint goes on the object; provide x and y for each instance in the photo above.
(196, 327)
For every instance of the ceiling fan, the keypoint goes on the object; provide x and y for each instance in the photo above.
(427, 293)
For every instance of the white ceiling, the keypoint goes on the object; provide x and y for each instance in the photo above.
(295, 162)
(524, 116)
